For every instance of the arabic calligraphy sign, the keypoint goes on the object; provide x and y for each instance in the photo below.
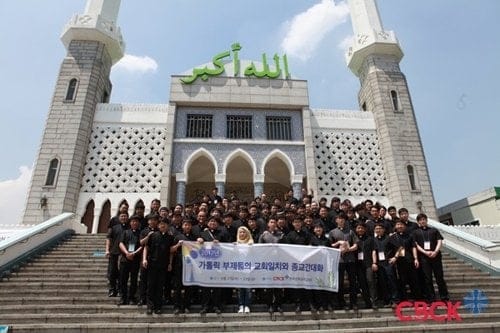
(251, 70)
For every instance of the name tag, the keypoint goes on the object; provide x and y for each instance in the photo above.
(381, 256)
(427, 245)
(361, 256)
(131, 247)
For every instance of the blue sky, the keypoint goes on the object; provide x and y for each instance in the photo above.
(451, 63)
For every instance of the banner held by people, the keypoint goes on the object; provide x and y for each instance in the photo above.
(260, 266)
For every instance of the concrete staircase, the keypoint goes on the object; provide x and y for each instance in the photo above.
(65, 290)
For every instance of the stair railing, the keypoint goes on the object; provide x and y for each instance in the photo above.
(23, 245)
(482, 253)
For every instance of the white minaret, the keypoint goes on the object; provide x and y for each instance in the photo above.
(94, 43)
(369, 34)
(97, 23)
(374, 59)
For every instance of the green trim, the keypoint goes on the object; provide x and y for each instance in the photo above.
(497, 191)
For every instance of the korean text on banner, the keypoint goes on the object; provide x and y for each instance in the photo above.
(260, 266)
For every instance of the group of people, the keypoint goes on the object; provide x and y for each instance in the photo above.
(385, 257)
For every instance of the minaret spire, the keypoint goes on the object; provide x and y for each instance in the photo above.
(369, 35)
(364, 17)
(107, 9)
(97, 23)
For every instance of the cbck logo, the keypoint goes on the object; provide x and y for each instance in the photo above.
(475, 301)
(210, 253)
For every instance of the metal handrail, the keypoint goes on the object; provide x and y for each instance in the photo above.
(35, 230)
(462, 235)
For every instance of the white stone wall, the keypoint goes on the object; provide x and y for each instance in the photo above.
(125, 158)
(346, 154)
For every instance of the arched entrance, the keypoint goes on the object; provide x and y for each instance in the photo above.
(88, 216)
(239, 178)
(104, 218)
(200, 178)
(276, 178)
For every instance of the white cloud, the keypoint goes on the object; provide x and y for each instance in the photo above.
(136, 64)
(346, 43)
(13, 194)
(307, 29)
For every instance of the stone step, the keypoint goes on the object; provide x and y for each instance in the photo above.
(246, 323)
(91, 284)
(102, 298)
(54, 305)
(93, 276)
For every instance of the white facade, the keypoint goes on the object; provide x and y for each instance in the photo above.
(482, 208)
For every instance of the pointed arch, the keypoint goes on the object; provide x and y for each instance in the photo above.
(88, 216)
(276, 153)
(240, 171)
(198, 153)
(104, 217)
(239, 153)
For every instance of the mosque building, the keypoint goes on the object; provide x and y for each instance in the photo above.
(245, 127)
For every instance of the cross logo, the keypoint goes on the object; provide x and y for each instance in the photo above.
(476, 301)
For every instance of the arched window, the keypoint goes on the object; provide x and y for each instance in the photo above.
(71, 92)
(411, 177)
(395, 100)
(52, 172)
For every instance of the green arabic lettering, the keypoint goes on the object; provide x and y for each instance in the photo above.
(285, 63)
(205, 72)
(236, 60)
(277, 72)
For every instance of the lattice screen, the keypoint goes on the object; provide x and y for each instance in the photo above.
(124, 160)
(348, 163)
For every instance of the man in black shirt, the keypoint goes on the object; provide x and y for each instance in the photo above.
(143, 275)
(212, 296)
(365, 267)
(113, 252)
(157, 259)
(386, 274)
(298, 236)
(182, 301)
(428, 242)
(403, 253)
(131, 252)
(404, 216)
(344, 239)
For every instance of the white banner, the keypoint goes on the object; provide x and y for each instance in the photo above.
(260, 266)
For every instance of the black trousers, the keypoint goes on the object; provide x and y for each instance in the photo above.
(388, 289)
(113, 271)
(367, 281)
(211, 297)
(407, 276)
(350, 269)
(434, 266)
(182, 300)
(143, 284)
(129, 270)
(156, 281)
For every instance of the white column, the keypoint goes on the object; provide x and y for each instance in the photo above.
(258, 185)
(95, 222)
(180, 179)
(364, 17)
(220, 183)
(107, 9)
